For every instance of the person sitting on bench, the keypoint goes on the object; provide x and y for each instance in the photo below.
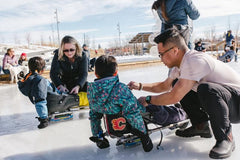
(108, 96)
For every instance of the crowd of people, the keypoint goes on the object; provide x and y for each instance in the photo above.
(197, 81)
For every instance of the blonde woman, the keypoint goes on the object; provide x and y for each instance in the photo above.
(69, 69)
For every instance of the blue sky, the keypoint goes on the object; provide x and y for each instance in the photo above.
(98, 19)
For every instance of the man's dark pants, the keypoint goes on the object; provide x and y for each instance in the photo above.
(218, 103)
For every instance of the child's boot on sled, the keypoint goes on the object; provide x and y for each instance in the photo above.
(145, 139)
(202, 130)
(43, 123)
(146, 143)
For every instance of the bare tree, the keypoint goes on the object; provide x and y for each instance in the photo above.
(16, 39)
(93, 44)
(28, 38)
(213, 36)
(236, 35)
(86, 40)
(42, 40)
(2, 39)
(207, 35)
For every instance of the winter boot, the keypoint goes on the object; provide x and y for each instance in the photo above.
(223, 149)
(146, 143)
(202, 130)
(145, 139)
(43, 123)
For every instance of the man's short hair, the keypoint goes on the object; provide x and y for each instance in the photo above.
(105, 66)
(171, 35)
(36, 64)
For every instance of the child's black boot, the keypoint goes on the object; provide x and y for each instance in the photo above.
(43, 123)
(145, 139)
(146, 143)
(100, 140)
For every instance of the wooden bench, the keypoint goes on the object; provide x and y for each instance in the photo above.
(4, 77)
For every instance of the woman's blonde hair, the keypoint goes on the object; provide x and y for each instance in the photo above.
(69, 39)
(8, 50)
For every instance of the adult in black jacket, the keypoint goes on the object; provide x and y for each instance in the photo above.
(69, 69)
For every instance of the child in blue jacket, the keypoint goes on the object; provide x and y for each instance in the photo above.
(107, 95)
(36, 88)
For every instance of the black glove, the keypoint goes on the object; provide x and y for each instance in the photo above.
(100, 142)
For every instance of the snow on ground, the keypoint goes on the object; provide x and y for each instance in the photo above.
(21, 140)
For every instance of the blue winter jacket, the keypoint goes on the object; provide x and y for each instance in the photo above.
(228, 56)
(36, 88)
(178, 12)
(109, 96)
(229, 37)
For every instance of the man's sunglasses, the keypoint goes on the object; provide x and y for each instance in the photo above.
(69, 50)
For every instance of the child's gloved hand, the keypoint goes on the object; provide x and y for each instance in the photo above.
(101, 141)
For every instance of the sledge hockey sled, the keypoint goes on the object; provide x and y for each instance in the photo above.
(61, 103)
(59, 106)
(117, 127)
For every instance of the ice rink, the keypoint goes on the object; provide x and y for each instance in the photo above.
(20, 139)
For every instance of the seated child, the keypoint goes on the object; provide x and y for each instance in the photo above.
(42, 93)
(228, 56)
(107, 95)
(22, 58)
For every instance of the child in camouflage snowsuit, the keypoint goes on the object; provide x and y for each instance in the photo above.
(107, 95)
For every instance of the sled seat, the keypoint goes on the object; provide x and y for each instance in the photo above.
(61, 103)
(116, 125)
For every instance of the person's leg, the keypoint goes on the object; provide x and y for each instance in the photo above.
(41, 108)
(193, 107)
(92, 62)
(197, 116)
(145, 139)
(6, 71)
(221, 103)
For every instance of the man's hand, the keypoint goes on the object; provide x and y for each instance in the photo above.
(133, 85)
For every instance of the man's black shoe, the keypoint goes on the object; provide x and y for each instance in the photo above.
(202, 130)
(224, 148)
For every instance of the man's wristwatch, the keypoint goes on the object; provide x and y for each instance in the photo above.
(148, 99)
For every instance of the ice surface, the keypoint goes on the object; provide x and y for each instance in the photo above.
(20, 138)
